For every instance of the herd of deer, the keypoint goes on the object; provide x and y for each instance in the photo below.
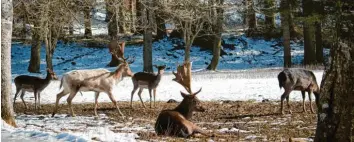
(175, 122)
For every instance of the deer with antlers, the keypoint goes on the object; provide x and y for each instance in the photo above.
(176, 122)
(97, 80)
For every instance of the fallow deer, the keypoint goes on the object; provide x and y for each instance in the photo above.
(33, 84)
(301, 80)
(144, 80)
(97, 80)
(176, 122)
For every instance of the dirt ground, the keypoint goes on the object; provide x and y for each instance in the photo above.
(227, 120)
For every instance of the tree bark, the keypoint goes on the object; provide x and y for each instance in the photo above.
(336, 113)
(285, 16)
(217, 37)
(35, 61)
(87, 21)
(309, 49)
(139, 15)
(7, 113)
(147, 51)
(318, 33)
(133, 15)
(112, 21)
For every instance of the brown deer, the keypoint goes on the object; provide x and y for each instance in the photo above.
(176, 122)
(149, 81)
(33, 84)
(97, 80)
(301, 80)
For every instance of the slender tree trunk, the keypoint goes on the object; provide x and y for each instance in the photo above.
(269, 15)
(133, 15)
(285, 16)
(160, 27)
(87, 22)
(292, 25)
(35, 61)
(148, 20)
(217, 38)
(122, 20)
(319, 45)
(139, 14)
(251, 15)
(7, 113)
(309, 33)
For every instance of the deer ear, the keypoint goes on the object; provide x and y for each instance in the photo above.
(183, 94)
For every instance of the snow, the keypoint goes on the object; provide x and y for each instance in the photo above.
(62, 128)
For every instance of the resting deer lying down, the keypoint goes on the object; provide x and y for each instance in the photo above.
(301, 80)
(146, 80)
(33, 84)
(176, 122)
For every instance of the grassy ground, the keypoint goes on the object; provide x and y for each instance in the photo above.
(257, 121)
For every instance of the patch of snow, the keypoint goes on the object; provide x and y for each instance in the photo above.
(227, 130)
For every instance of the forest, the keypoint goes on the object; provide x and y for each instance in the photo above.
(202, 70)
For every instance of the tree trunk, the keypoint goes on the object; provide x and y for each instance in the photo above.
(217, 38)
(309, 49)
(121, 20)
(139, 15)
(112, 22)
(292, 25)
(285, 16)
(87, 22)
(319, 45)
(336, 113)
(7, 113)
(35, 61)
(147, 20)
(251, 15)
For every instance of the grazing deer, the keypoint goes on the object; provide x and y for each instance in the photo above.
(150, 81)
(176, 122)
(301, 80)
(97, 80)
(33, 84)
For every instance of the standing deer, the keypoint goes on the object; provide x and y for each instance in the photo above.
(97, 80)
(176, 122)
(33, 84)
(149, 81)
(301, 80)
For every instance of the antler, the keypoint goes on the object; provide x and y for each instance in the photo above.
(184, 76)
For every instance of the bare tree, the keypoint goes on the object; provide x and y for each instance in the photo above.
(148, 20)
(7, 113)
(309, 46)
(335, 120)
(87, 7)
(217, 30)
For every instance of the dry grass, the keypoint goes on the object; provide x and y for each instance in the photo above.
(259, 119)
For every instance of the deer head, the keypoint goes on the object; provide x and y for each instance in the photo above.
(160, 68)
(51, 74)
(191, 101)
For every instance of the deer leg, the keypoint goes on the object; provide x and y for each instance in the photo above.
(35, 99)
(310, 92)
(69, 100)
(150, 91)
(287, 102)
(17, 92)
(60, 95)
(285, 95)
(110, 95)
(155, 98)
(139, 94)
(96, 102)
(39, 100)
(303, 101)
(23, 101)
(132, 94)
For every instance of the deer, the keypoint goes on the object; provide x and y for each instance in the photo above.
(176, 122)
(145, 80)
(301, 80)
(33, 84)
(97, 80)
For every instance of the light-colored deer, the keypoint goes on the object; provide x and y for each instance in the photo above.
(33, 84)
(176, 122)
(301, 80)
(97, 80)
(144, 80)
